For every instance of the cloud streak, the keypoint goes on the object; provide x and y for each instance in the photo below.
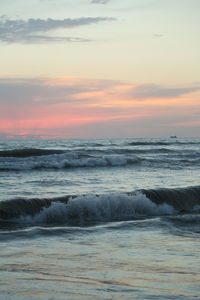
(40, 91)
(148, 91)
(29, 31)
(100, 1)
(21, 91)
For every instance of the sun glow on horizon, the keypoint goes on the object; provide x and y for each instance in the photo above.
(62, 104)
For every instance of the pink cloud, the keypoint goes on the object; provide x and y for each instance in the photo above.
(63, 105)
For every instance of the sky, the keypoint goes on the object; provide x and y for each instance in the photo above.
(99, 68)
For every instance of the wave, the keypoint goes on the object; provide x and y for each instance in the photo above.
(78, 210)
(93, 144)
(152, 143)
(28, 152)
(157, 154)
(81, 159)
(163, 143)
(181, 199)
(32, 152)
(70, 160)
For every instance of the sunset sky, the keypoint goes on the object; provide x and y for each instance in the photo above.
(99, 68)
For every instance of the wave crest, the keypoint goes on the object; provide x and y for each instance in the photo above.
(27, 152)
(83, 210)
(79, 210)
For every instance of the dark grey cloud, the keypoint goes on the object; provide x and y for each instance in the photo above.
(29, 31)
(154, 91)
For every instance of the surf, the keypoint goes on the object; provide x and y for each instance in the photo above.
(80, 209)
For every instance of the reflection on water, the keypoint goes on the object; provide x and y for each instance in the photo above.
(122, 262)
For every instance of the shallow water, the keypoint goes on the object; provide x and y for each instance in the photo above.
(114, 245)
(128, 260)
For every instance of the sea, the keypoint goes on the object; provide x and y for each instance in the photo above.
(100, 219)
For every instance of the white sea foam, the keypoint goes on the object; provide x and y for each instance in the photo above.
(59, 161)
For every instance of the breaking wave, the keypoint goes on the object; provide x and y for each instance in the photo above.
(66, 160)
(85, 209)
(152, 153)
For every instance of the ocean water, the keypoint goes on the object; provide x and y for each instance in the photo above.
(100, 219)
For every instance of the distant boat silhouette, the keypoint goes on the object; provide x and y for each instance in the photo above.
(173, 137)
